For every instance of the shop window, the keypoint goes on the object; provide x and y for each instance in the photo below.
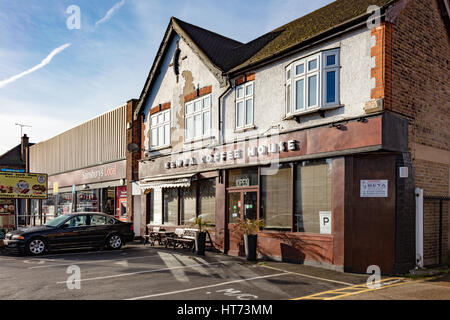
(245, 177)
(7, 217)
(65, 202)
(207, 201)
(312, 194)
(7, 206)
(170, 207)
(276, 199)
(199, 200)
(198, 118)
(87, 201)
(48, 207)
(187, 205)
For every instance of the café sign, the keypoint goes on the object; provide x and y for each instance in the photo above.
(237, 154)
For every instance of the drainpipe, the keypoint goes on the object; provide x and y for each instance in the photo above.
(419, 228)
(221, 120)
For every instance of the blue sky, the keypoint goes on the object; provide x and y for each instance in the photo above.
(106, 63)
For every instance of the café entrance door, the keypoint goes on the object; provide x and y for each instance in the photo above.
(242, 204)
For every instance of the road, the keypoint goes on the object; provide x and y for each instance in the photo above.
(145, 273)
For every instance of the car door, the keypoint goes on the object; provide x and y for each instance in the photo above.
(73, 233)
(98, 229)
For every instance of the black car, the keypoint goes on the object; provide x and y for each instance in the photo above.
(80, 230)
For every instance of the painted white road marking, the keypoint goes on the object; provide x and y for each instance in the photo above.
(90, 262)
(143, 272)
(34, 261)
(238, 294)
(210, 286)
(312, 277)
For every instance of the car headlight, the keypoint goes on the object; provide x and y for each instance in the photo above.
(17, 237)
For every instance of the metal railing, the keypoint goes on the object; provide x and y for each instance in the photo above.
(27, 220)
(438, 200)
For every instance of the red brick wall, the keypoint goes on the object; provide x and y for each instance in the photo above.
(421, 92)
(421, 73)
(198, 93)
(382, 71)
(133, 136)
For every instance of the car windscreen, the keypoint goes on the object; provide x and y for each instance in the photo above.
(56, 222)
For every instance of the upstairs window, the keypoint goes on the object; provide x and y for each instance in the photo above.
(312, 83)
(198, 118)
(160, 126)
(245, 105)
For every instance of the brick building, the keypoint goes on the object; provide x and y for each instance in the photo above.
(14, 160)
(323, 128)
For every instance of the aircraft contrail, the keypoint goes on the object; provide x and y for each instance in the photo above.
(37, 67)
(110, 12)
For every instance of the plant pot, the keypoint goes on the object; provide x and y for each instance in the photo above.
(251, 243)
(200, 243)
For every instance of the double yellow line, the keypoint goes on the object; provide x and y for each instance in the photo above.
(352, 290)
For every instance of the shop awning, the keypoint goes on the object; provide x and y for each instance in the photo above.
(167, 182)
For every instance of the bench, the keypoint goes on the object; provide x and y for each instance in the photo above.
(183, 237)
(152, 236)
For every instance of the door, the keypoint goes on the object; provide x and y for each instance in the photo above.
(73, 234)
(98, 230)
(242, 204)
(373, 221)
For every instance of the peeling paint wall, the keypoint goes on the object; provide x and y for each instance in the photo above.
(193, 74)
(269, 104)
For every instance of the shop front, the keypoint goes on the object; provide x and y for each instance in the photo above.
(95, 189)
(7, 216)
(326, 195)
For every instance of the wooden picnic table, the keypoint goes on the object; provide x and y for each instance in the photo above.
(160, 236)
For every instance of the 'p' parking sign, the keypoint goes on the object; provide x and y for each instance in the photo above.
(325, 222)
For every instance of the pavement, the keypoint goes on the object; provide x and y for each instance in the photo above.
(140, 272)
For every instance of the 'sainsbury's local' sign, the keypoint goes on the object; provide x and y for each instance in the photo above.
(237, 154)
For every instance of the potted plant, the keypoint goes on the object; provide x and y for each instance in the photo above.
(200, 236)
(250, 230)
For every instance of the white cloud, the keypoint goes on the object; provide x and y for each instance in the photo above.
(37, 67)
(110, 12)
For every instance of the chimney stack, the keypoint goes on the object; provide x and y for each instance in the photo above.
(24, 147)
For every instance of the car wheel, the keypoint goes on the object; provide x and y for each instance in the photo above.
(114, 242)
(36, 246)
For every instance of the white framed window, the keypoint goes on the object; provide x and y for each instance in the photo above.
(331, 67)
(198, 118)
(160, 129)
(245, 105)
(312, 83)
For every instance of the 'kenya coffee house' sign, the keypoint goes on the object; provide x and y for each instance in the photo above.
(247, 155)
